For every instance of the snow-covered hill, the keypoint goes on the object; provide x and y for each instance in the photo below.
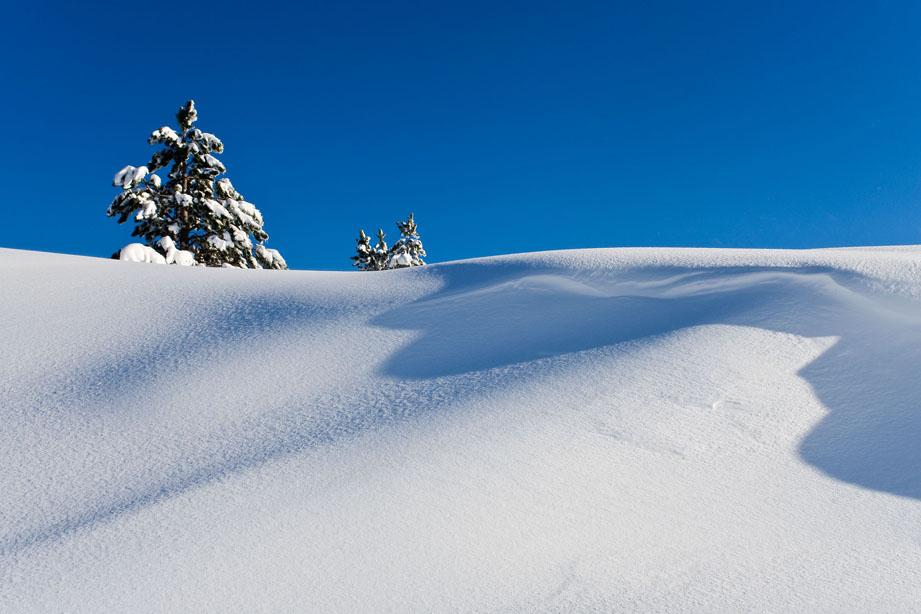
(629, 430)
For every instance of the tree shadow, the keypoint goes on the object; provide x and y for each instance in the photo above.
(868, 381)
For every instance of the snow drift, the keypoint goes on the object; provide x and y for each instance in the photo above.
(596, 430)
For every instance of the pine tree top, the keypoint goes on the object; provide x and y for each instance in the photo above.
(187, 116)
(408, 228)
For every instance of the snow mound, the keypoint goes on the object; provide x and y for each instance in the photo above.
(138, 252)
(630, 430)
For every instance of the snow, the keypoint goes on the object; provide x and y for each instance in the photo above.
(180, 257)
(224, 189)
(147, 207)
(213, 162)
(245, 212)
(174, 255)
(269, 255)
(241, 237)
(129, 176)
(401, 259)
(216, 208)
(629, 430)
(165, 135)
(138, 252)
(221, 243)
(212, 142)
(166, 243)
(120, 176)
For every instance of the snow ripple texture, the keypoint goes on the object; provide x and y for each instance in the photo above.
(630, 430)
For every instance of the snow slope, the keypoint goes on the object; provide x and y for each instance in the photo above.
(630, 430)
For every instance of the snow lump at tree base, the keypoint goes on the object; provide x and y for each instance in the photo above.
(138, 252)
(192, 218)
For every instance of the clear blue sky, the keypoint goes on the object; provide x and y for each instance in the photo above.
(505, 126)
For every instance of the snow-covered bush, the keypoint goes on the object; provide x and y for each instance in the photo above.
(406, 252)
(362, 255)
(204, 220)
(369, 258)
(380, 255)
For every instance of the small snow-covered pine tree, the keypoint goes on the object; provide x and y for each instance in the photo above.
(198, 214)
(362, 256)
(380, 256)
(407, 251)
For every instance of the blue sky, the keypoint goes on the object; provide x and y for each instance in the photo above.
(504, 126)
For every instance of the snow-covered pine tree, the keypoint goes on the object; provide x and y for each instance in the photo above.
(407, 251)
(197, 214)
(362, 256)
(380, 256)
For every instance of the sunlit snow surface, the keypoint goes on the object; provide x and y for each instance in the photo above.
(630, 430)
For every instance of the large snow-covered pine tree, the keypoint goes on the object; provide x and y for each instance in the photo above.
(193, 209)
(407, 251)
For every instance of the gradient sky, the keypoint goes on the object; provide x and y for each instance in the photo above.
(505, 126)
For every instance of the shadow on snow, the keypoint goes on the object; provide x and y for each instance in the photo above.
(494, 315)
(868, 380)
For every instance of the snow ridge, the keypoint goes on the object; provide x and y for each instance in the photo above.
(590, 430)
